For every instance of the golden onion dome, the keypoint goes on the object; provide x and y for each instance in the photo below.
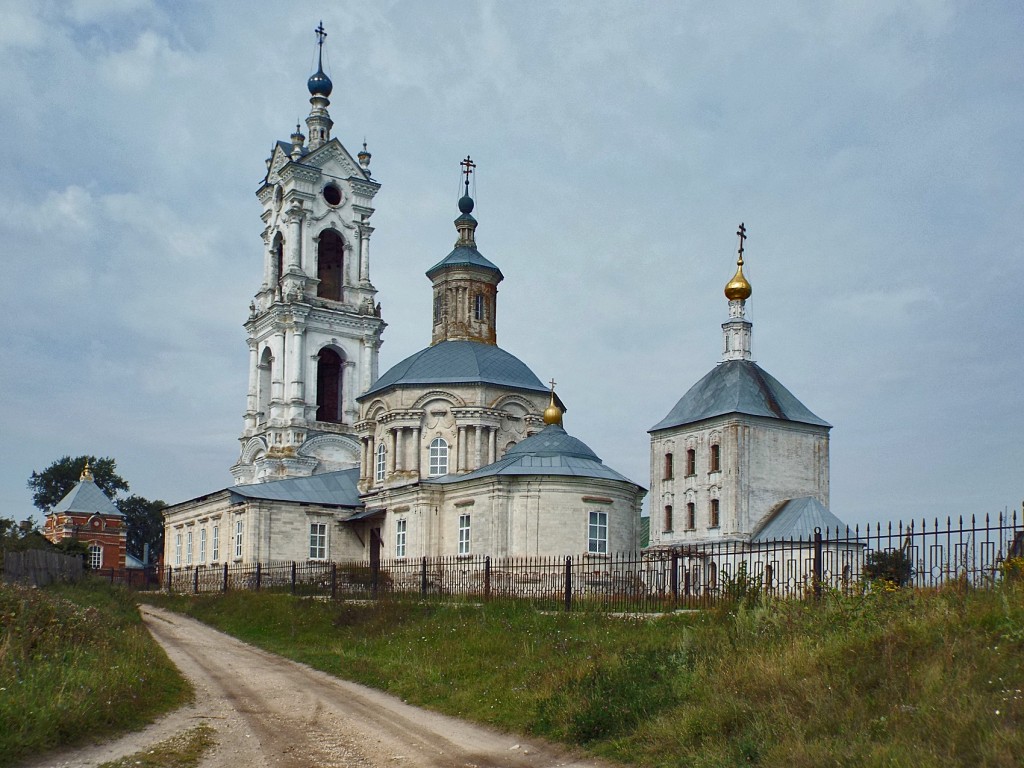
(552, 414)
(738, 288)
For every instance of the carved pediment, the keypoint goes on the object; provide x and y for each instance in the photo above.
(333, 157)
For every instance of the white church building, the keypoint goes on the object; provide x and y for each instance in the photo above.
(458, 449)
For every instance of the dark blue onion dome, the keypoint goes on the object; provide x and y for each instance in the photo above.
(320, 84)
(466, 204)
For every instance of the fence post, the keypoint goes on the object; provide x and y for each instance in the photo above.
(423, 577)
(111, 575)
(259, 576)
(225, 587)
(168, 583)
(195, 581)
(334, 581)
(487, 578)
(293, 577)
(568, 582)
(675, 577)
(374, 573)
(817, 564)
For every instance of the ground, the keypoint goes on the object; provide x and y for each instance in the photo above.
(268, 711)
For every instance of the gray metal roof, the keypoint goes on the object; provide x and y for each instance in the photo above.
(464, 255)
(459, 362)
(338, 488)
(797, 519)
(87, 498)
(738, 386)
(551, 452)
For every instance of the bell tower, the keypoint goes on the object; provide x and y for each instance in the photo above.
(314, 327)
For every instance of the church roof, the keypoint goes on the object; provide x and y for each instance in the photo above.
(87, 498)
(738, 386)
(459, 362)
(338, 488)
(464, 255)
(549, 452)
(797, 519)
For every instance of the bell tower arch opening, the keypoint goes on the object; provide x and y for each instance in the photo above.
(330, 254)
(329, 383)
(263, 385)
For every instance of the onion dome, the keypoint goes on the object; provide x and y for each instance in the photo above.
(364, 157)
(466, 204)
(552, 414)
(738, 289)
(319, 83)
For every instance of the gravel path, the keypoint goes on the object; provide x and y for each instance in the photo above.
(268, 711)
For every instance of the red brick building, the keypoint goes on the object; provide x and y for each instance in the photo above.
(88, 514)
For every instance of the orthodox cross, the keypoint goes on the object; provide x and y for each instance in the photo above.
(320, 35)
(467, 168)
(742, 232)
(552, 383)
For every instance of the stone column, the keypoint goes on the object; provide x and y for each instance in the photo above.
(399, 449)
(391, 443)
(348, 278)
(297, 373)
(417, 449)
(364, 254)
(492, 445)
(461, 450)
(479, 452)
(293, 255)
(349, 388)
(250, 398)
(277, 374)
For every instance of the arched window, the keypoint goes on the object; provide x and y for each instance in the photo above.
(668, 466)
(278, 257)
(382, 463)
(438, 457)
(691, 516)
(328, 386)
(330, 253)
(263, 384)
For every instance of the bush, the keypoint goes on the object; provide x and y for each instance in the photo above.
(892, 566)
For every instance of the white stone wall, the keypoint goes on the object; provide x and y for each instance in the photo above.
(762, 463)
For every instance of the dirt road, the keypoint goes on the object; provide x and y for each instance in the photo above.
(268, 711)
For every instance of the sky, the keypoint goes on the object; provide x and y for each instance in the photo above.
(873, 150)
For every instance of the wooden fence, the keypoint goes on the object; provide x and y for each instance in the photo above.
(40, 567)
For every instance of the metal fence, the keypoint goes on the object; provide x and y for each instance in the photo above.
(690, 575)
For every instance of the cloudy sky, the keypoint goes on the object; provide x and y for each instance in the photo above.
(873, 149)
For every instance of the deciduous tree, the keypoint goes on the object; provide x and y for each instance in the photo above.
(53, 483)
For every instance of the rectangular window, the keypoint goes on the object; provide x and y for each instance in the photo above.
(691, 515)
(318, 541)
(188, 548)
(216, 543)
(463, 534)
(202, 545)
(691, 462)
(714, 513)
(597, 535)
(95, 557)
(716, 458)
(400, 538)
(238, 538)
(382, 463)
(668, 466)
(668, 518)
(177, 549)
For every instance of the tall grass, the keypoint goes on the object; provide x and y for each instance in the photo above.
(76, 665)
(891, 678)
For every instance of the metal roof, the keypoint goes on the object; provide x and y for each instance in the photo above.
(87, 498)
(551, 452)
(338, 489)
(797, 519)
(459, 362)
(738, 386)
(464, 255)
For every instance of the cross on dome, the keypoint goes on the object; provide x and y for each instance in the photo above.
(742, 232)
(467, 169)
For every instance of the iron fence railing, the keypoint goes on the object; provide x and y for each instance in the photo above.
(683, 575)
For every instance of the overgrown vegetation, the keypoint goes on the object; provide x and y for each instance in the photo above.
(183, 751)
(76, 664)
(893, 677)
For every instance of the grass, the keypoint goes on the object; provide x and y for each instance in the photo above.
(182, 751)
(77, 665)
(893, 678)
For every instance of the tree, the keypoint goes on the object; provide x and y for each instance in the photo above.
(891, 565)
(145, 522)
(53, 483)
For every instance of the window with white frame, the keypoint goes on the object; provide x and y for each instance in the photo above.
(438, 457)
(215, 544)
(238, 537)
(597, 535)
(202, 545)
(382, 462)
(318, 541)
(400, 538)
(177, 549)
(464, 538)
(95, 557)
(188, 547)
